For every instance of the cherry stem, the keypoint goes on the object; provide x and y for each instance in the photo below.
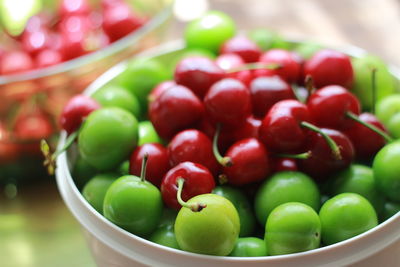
(224, 161)
(309, 84)
(373, 82)
(195, 207)
(369, 126)
(331, 143)
(255, 66)
(304, 155)
(144, 165)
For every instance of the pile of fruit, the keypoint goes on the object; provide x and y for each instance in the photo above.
(74, 30)
(251, 146)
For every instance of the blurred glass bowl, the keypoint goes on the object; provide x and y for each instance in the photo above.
(32, 101)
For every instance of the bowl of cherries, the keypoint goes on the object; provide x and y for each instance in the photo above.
(60, 50)
(235, 149)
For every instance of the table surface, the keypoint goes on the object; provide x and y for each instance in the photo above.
(36, 229)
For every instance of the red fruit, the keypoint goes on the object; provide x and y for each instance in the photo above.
(322, 163)
(15, 62)
(328, 107)
(366, 142)
(75, 24)
(33, 126)
(198, 74)
(328, 67)
(281, 128)
(9, 151)
(34, 42)
(75, 111)
(194, 146)
(74, 7)
(48, 58)
(245, 76)
(74, 31)
(266, 91)
(36, 23)
(249, 162)
(159, 89)
(157, 163)
(242, 46)
(229, 61)
(228, 102)
(290, 66)
(175, 110)
(230, 135)
(284, 164)
(198, 180)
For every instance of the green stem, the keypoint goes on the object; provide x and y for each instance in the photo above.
(373, 81)
(369, 126)
(304, 155)
(331, 143)
(70, 140)
(224, 161)
(144, 165)
(255, 66)
(195, 207)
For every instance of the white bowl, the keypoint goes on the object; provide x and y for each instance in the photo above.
(113, 246)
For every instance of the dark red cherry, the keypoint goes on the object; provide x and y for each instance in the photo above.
(230, 135)
(328, 67)
(229, 61)
(15, 62)
(228, 102)
(157, 163)
(289, 65)
(266, 91)
(176, 109)
(284, 164)
(75, 111)
(48, 58)
(198, 180)
(198, 74)
(194, 146)
(159, 89)
(242, 46)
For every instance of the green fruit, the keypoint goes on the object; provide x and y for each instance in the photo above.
(307, 49)
(387, 108)
(95, 190)
(344, 216)
(387, 171)
(107, 137)
(213, 230)
(390, 209)
(82, 172)
(283, 187)
(124, 168)
(210, 31)
(147, 133)
(362, 86)
(393, 126)
(242, 205)
(266, 39)
(115, 96)
(134, 205)
(292, 227)
(249, 247)
(165, 236)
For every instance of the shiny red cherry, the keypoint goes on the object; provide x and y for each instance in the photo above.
(242, 46)
(266, 91)
(328, 67)
(194, 146)
(198, 180)
(289, 66)
(75, 111)
(229, 61)
(284, 164)
(34, 42)
(48, 58)
(198, 74)
(245, 76)
(176, 109)
(250, 163)
(159, 89)
(157, 163)
(329, 106)
(228, 102)
(15, 62)
(33, 126)
(73, 7)
(230, 135)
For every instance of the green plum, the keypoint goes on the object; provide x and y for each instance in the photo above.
(344, 216)
(266, 39)
(358, 179)
(390, 209)
(210, 31)
(362, 86)
(387, 108)
(307, 49)
(95, 190)
(82, 172)
(147, 133)
(164, 234)
(292, 227)
(213, 230)
(242, 205)
(115, 96)
(393, 125)
(249, 247)
(282, 187)
(124, 168)
(387, 171)
(107, 137)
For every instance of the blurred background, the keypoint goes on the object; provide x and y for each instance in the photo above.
(36, 229)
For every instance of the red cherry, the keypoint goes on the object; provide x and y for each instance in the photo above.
(228, 102)
(194, 146)
(281, 128)
(284, 164)
(34, 42)
(198, 74)
(328, 107)
(230, 135)
(33, 126)
(229, 61)
(37, 23)
(249, 160)
(321, 164)
(157, 163)
(328, 67)
(74, 24)
(15, 62)
(290, 66)
(242, 46)
(245, 76)
(74, 112)
(175, 110)
(266, 91)
(198, 180)
(9, 151)
(159, 89)
(48, 58)
(366, 142)
(73, 7)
